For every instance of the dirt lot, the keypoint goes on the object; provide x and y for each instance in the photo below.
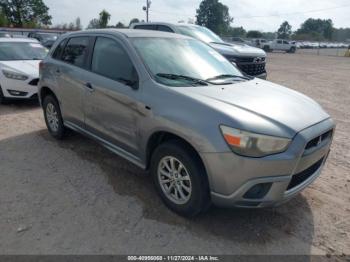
(75, 197)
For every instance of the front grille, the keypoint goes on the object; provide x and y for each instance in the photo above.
(299, 178)
(252, 66)
(252, 69)
(318, 140)
(34, 82)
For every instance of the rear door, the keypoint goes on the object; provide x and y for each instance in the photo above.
(69, 71)
(111, 109)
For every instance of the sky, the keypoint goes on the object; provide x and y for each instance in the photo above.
(263, 15)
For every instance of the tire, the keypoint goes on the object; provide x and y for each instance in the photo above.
(192, 176)
(53, 117)
(267, 48)
(292, 50)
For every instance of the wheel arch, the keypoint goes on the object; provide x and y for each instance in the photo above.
(44, 91)
(159, 137)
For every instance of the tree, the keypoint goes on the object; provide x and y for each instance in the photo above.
(214, 15)
(254, 34)
(24, 12)
(134, 20)
(322, 28)
(94, 23)
(3, 19)
(104, 18)
(237, 31)
(285, 30)
(120, 25)
(78, 24)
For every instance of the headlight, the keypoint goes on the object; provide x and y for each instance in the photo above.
(14, 75)
(253, 145)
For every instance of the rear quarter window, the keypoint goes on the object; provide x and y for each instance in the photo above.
(76, 51)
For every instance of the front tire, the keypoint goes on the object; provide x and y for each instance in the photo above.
(180, 178)
(53, 117)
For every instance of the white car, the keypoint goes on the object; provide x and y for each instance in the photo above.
(19, 68)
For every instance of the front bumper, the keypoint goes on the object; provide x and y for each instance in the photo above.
(231, 177)
(17, 89)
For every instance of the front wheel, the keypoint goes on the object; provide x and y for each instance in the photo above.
(53, 117)
(180, 178)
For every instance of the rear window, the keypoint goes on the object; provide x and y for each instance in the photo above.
(58, 51)
(146, 27)
(75, 52)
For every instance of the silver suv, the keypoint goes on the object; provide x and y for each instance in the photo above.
(172, 105)
(249, 60)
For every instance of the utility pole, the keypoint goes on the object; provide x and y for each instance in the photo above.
(146, 8)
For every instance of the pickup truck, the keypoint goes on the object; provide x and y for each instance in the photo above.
(280, 45)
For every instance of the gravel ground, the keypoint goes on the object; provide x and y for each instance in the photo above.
(75, 197)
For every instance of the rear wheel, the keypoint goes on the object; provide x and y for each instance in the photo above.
(53, 117)
(180, 178)
(292, 50)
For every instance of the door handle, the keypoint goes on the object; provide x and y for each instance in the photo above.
(89, 87)
(58, 71)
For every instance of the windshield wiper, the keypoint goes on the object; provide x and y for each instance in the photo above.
(188, 78)
(227, 76)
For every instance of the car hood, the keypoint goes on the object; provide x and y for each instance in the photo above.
(278, 105)
(238, 50)
(27, 67)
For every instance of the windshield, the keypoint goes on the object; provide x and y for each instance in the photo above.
(48, 36)
(182, 57)
(21, 51)
(200, 33)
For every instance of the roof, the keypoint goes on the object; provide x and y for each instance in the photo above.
(21, 40)
(165, 23)
(130, 33)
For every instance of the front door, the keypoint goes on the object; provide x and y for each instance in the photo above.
(111, 108)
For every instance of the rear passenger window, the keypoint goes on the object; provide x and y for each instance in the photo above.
(58, 51)
(146, 27)
(110, 60)
(75, 51)
(165, 28)
(279, 41)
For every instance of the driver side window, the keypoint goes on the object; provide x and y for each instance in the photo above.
(110, 60)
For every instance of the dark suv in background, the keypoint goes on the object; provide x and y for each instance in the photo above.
(249, 60)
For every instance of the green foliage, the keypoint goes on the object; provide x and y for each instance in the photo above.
(214, 15)
(237, 32)
(341, 34)
(285, 30)
(3, 19)
(94, 23)
(316, 28)
(104, 18)
(254, 34)
(120, 25)
(20, 13)
(269, 35)
(134, 20)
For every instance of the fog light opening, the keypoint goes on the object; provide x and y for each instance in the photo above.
(258, 191)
